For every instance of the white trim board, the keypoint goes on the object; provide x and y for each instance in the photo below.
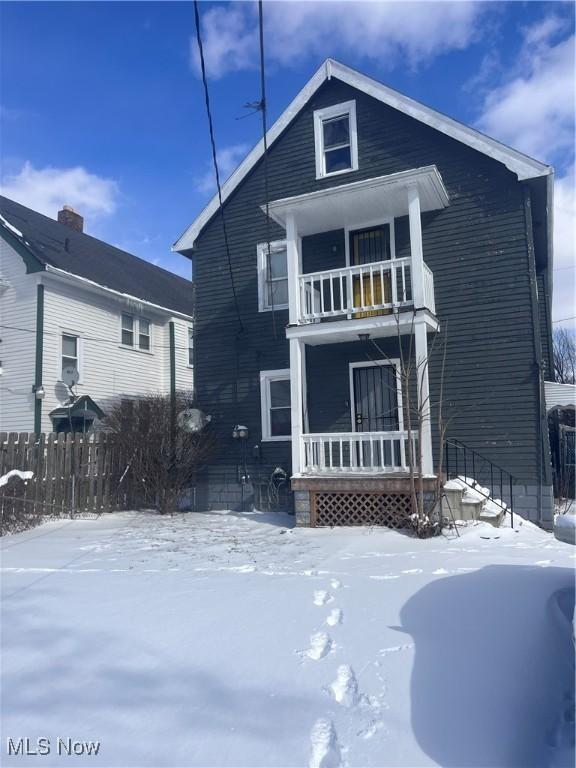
(523, 166)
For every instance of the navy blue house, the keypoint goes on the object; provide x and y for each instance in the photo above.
(390, 231)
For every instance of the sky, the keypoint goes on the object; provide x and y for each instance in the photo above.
(101, 106)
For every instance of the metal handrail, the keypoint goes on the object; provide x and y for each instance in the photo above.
(471, 455)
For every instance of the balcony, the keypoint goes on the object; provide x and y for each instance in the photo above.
(354, 453)
(361, 291)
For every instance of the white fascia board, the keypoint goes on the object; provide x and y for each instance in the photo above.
(186, 241)
(522, 165)
(69, 277)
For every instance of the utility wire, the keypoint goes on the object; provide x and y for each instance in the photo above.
(563, 319)
(215, 161)
(97, 339)
(263, 108)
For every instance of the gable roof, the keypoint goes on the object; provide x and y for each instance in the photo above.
(523, 166)
(54, 245)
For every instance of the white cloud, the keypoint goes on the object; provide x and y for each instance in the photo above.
(390, 33)
(228, 158)
(564, 248)
(46, 189)
(533, 111)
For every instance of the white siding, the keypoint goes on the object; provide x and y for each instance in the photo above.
(17, 348)
(107, 369)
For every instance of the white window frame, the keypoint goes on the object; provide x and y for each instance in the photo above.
(146, 335)
(262, 252)
(135, 346)
(266, 377)
(190, 348)
(79, 353)
(347, 108)
(395, 362)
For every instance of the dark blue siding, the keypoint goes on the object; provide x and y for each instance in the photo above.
(476, 248)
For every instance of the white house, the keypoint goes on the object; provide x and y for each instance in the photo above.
(69, 301)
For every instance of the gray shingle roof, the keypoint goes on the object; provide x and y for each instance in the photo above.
(57, 245)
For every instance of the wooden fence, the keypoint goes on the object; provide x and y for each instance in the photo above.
(73, 474)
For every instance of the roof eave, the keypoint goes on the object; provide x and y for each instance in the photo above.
(522, 165)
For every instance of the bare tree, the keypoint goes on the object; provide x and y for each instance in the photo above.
(160, 454)
(564, 348)
(426, 517)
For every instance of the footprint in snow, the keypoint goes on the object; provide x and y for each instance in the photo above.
(335, 617)
(335, 583)
(325, 748)
(320, 645)
(321, 597)
(345, 688)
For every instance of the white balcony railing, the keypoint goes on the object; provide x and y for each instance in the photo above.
(383, 285)
(354, 452)
(429, 302)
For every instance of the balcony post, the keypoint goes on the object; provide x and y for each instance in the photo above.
(417, 270)
(421, 343)
(297, 389)
(294, 261)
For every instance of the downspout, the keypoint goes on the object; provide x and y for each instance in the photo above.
(172, 390)
(39, 357)
(536, 340)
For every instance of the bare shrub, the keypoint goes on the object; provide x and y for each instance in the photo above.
(161, 455)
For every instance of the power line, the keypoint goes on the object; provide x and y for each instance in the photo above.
(97, 339)
(263, 108)
(214, 159)
(563, 319)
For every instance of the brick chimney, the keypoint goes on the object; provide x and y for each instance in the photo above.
(70, 218)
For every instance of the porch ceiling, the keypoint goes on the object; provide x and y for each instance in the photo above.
(360, 202)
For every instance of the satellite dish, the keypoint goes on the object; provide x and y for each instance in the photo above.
(70, 376)
(192, 420)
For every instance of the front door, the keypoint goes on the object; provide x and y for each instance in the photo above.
(368, 246)
(375, 398)
(375, 409)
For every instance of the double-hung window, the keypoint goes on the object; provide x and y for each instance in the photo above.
(272, 276)
(70, 357)
(275, 402)
(135, 332)
(336, 139)
(143, 333)
(190, 346)
(128, 330)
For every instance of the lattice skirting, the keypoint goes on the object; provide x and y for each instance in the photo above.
(388, 509)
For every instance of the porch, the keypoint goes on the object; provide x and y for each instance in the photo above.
(351, 279)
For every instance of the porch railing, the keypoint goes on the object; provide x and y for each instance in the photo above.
(354, 452)
(429, 302)
(376, 287)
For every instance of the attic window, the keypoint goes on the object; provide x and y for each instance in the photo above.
(336, 139)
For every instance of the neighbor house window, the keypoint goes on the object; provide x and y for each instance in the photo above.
(143, 333)
(272, 276)
(190, 346)
(69, 352)
(128, 330)
(135, 328)
(335, 139)
(275, 402)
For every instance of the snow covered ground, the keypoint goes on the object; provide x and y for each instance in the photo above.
(235, 640)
